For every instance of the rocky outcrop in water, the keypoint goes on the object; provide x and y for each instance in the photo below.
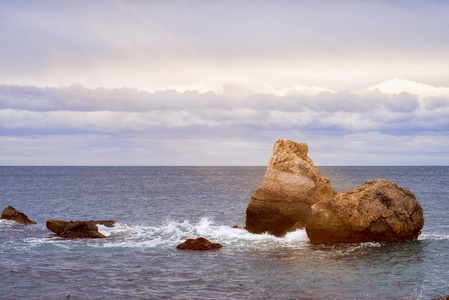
(293, 195)
(378, 210)
(198, 244)
(10, 213)
(78, 229)
(290, 186)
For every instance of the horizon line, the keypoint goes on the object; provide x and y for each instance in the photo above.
(213, 166)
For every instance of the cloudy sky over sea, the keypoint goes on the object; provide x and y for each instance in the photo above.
(217, 82)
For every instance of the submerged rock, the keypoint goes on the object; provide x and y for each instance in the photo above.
(290, 186)
(198, 244)
(10, 213)
(378, 210)
(78, 229)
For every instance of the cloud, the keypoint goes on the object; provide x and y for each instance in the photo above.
(434, 103)
(104, 110)
(398, 86)
(35, 115)
(404, 102)
(252, 87)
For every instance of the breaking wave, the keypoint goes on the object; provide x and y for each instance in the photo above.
(173, 233)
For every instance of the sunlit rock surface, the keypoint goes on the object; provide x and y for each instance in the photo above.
(293, 195)
(290, 187)
(378, 210)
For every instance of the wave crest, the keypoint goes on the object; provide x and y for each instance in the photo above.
(173, 233)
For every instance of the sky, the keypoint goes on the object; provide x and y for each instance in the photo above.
(218, 82)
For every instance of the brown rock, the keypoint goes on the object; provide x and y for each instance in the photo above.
(294, 196)
(78, 229)
(441, 298)
(198, 244)
(10, 213)
(378, 210)
(291, 185)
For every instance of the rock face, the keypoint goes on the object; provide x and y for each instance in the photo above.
(78, 229)
(378, 210)
(293, 195)
(290, 186)
(198, 244)
(10, 213)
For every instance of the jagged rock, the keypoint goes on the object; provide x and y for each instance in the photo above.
(290, 186)
(10, 213)
(378, 210)
(78, 229)
(198, 244)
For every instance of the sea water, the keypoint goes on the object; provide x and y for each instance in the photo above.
(160, 207)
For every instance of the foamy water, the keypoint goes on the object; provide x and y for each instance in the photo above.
(173, 233)
(169, 235)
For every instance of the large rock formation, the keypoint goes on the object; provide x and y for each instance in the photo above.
(78, 229)
(198, 244)
(378, 210)
(293, 195)
(10, 213)
(290, 187)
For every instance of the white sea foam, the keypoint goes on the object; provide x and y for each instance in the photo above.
(433, 236)
(11, 225)
(173, 233)
(5, 223)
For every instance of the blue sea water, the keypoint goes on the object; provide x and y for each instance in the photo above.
(159, 207)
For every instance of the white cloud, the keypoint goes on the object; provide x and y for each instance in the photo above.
(398, 86)
(433, 103)
(404, 102)
(123, 116)
(253, 87)
(104, 110)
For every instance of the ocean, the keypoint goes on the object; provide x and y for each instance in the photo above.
(159, 207)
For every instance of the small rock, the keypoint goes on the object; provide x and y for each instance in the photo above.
(10, 213)
(78, 229)
(198, 244)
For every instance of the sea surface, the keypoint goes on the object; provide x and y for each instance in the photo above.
(159, 207)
